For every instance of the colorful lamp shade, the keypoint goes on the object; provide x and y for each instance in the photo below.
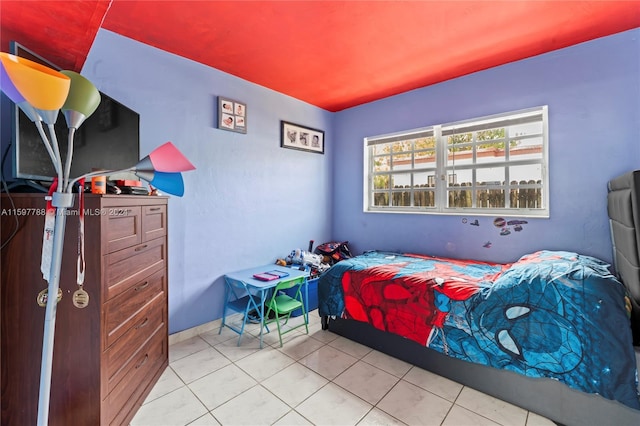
(9, 89)
(162, 167)
(165, 158)
(82, 101)
(168, 182)
(42, 87)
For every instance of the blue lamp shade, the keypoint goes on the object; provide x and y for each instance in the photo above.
(171, 183)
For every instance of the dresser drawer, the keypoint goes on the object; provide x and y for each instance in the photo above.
(142, 371)
(122, 227)
(154, 222)
(120, 356)
(125, 268)
(127, 309)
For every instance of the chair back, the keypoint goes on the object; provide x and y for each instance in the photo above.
(237, 288)
(286, 284)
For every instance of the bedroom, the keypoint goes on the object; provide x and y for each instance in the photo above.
(252, 201)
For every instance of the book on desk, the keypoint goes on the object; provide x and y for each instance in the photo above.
(270, 275)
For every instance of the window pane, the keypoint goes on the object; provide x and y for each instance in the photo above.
(380, 149)
(490, 134)
(401, 198)
(381, 199)
(459, 196)
(401, 180)
(526, 148)
(426, 143)
(401, 146)
(424, 179)
(491, 175)
(526, 194)
(527, 173)
(527, 129)
(489, 198)
(459, 177)
(424, 194)
(459, 150)
(424, 159)
(401, 161)
(490, 152)
(381, 164)
(381, 182)
(424, 198)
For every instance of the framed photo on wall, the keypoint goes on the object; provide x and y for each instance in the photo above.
(295, 136)
(232, 115)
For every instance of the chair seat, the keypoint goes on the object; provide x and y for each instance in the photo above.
(285, 304)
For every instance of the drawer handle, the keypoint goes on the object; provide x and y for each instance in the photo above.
(143, 286)
(141, 247)
(142, 324)
(154, 209)
(143, 362)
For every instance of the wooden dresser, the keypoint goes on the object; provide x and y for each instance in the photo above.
(107, 356)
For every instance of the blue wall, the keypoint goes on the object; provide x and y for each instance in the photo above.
(249, 201)
(593, 94)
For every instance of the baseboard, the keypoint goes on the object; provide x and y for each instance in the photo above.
(194, 331)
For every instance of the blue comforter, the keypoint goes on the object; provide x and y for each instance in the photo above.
(551, 314)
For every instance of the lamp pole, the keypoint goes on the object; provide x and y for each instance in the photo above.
(61, 201)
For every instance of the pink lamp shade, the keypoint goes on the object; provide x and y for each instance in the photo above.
(165, 158)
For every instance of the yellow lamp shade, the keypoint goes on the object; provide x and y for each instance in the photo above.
(44, 88)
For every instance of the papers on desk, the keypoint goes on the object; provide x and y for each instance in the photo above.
(270, 275)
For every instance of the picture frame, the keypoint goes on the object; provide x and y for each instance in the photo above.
(232, 115)
(303, 138)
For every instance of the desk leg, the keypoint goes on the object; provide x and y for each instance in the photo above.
(262, 321)
(224, 307)
(306, 298)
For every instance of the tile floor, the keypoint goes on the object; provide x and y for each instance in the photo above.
(315, 379)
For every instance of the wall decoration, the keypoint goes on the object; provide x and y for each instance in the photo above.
(295, 136)
(232, 115)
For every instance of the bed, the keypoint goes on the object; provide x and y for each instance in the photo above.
(551, 332)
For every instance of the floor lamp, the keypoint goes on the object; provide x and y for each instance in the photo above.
(41, 93)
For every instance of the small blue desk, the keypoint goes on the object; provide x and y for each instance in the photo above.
(254, 293)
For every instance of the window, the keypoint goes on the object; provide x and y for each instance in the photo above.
(495, 165)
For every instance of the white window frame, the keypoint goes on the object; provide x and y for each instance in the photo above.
(442, 169)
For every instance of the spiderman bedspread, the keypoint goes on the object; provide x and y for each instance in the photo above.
(551, 314)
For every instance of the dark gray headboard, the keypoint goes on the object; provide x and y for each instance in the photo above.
(623, 201)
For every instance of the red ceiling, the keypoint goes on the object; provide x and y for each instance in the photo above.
(333, 54)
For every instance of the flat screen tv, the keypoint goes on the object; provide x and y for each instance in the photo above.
(108, 140)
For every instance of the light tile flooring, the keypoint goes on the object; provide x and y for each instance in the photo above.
(315, 379)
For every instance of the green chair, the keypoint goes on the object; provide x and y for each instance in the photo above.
(281, 305)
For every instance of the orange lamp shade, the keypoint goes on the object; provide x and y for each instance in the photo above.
(42, 87)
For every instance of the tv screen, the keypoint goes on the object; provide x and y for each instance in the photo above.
(108, 140)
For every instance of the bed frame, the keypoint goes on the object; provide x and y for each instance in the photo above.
(623, 205)
(546, 397)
